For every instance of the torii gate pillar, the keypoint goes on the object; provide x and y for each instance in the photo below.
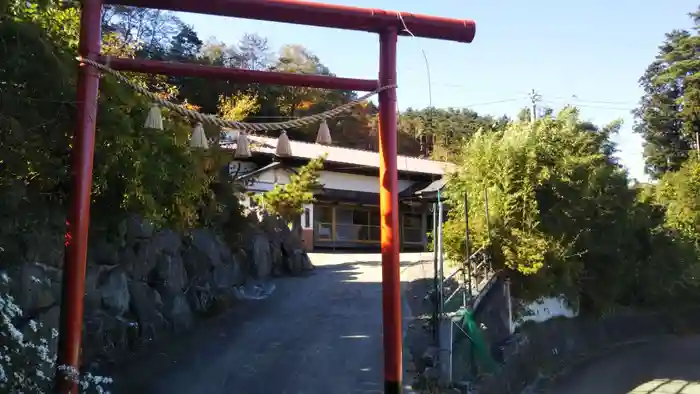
(389, 215)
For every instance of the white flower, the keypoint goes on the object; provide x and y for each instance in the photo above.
(24, 362)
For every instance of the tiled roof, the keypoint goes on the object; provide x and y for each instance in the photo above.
(336, 154)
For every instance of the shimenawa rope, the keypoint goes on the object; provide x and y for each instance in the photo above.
(215, 120)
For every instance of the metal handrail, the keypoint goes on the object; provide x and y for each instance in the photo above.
(458, 270)
(461, 269)
(476, 272)
(475, 253)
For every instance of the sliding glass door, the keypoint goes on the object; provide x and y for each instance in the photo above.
(359, 225)
(348, 224)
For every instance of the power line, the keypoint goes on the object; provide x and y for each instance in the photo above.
(578, 99)
(555, 100)
(611, 105)
(430, 81)
(548, 102)
(493, 102)
(607, 107)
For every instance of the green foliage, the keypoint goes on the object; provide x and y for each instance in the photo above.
(19, 8)
(519, 169)
(287, 201)
(237, 107)
(679, 192)
(221, 208)
(668, 117)
(563, 218)
(440, 132)
(147, 172)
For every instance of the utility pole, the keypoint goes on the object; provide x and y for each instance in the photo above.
(534, 99)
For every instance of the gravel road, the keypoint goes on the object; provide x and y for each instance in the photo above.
(669, 366)
(317, 334)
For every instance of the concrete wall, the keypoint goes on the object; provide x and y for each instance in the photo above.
(492, 313)
(539, 350)
(544, 309)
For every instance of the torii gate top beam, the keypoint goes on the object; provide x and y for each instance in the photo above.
(321, 15)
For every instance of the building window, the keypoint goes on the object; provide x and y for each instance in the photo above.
(375, 225)
(324, 223)
(307, 218)
(348, 224)
(412, 228)
(344, 227)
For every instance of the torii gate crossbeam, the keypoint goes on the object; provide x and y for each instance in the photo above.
(388, 24)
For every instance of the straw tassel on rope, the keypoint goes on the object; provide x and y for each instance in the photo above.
(284, 148)
(324, 134)
(242, 146)
(199, 139)
(154, 120)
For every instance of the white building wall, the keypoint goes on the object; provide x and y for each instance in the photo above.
(329, 180)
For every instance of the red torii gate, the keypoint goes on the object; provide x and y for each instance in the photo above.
(388, 24)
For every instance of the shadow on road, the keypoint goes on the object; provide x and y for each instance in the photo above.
(315, 334)
(667, 366)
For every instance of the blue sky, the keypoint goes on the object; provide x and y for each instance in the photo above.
(595, 50)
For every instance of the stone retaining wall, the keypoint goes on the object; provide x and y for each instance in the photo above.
(147, 283)
(541, 350)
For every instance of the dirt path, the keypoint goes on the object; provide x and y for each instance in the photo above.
(670, 366)
(315, 335)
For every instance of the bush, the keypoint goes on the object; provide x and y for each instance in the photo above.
(150, 173)
(563, 217)
(679, 193)
(288, 201)
(27, 366)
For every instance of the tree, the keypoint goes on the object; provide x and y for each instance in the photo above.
(254, 52)
(525, 115)
(287, 201)
(563, 219)
(207, 93)
(299, 60)
(668, 116)
(185, 45)
(679, 192)
(136, 171)
(439, 132)
(237, 107)
(149, 29)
